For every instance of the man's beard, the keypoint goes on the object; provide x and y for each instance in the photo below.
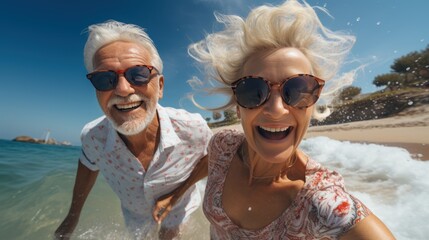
(134, 124)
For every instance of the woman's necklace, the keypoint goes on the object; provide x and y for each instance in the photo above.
(245, 159)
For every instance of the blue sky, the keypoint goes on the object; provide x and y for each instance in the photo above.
(43, 76)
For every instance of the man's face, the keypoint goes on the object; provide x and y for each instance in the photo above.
(129, 108)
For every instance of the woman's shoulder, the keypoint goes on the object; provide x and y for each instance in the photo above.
(221, 150)
(319, 177)
(226, 140)
(332, 205)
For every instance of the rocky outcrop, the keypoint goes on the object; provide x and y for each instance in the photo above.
(50, 141)
(25, 139)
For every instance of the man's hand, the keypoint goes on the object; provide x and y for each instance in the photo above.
(85, 179)
(65, 230)
(163, 206)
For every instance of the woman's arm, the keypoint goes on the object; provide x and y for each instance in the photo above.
(371, 227)
(165, 203)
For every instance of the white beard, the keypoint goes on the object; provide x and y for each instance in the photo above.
(136, 124)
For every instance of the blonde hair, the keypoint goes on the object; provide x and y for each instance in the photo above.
(291, 24)
(112, 31)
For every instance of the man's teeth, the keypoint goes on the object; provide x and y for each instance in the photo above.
(128, 106)
(274, 129)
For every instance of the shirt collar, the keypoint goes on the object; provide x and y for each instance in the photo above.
(168, 134)
(113, 141)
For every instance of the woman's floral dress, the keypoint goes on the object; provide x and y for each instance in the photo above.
(322, 209)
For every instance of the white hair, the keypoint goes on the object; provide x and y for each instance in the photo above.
(291, 24)
(111, 31)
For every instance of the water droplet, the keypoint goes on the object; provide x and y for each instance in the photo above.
(408, 68)
(357, 19)
(395, 51)
(378, 23)
(249, 209)
(410, 103)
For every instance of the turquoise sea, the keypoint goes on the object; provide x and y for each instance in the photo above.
(36, 184)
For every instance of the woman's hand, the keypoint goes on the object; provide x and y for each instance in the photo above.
(165, 203)
(163, 207)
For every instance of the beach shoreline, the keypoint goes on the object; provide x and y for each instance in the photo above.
(408, 130)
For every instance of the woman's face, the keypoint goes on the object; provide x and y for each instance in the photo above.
(274, 129)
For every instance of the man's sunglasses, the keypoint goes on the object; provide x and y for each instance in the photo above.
(298, 91)
(108, 80)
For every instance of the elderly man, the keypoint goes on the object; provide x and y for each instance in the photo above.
(144, 151)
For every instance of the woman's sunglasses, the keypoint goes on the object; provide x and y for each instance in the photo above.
(108, 80)
(298, 91)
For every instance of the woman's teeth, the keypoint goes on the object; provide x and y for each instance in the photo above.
(274, 129)
(274, 133)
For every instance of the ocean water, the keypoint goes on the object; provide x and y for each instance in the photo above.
(36, 184)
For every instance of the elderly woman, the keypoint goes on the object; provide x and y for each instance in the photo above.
(274, 64)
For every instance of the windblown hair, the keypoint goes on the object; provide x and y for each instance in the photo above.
(290, 24)
(112, 31)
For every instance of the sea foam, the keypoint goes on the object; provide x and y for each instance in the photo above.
(387, 179)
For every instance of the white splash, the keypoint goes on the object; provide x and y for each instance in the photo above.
(392, 184)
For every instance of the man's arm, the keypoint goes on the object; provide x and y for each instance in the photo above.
(165, 203)
(85, 179)
(371, 227)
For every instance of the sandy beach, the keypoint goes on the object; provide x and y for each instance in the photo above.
(409, 130)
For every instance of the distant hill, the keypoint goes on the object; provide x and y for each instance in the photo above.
(381, 104)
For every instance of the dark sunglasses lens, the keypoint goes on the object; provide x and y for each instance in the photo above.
(251, 92)
(302, 91)
(138, 75)
(103, 81)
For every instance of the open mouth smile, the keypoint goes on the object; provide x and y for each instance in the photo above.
(128, 106)
(274, 133)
